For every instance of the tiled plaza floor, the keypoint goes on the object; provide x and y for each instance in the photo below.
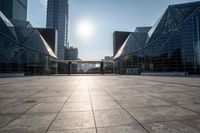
(99, 104)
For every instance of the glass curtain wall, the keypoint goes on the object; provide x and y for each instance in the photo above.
(172, 45)
(23, 50)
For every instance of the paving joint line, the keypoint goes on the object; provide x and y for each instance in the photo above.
(31, 95)
(23, 98)
(167, 82)
(92, 107)
(172, 104)
(123, 108)
(62, 107)
(21, 114)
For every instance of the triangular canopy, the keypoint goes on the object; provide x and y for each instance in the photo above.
(22, 33)
(171, 19)
(7, 28)
(134, 42)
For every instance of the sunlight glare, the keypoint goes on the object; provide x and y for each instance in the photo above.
(85, 29)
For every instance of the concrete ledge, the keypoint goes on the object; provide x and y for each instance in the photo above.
(163, 74)
(4, 75)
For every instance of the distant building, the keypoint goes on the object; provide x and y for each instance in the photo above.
(142, 29)
(71, 53)
(57, 17)
(118, 39)
(107, 58)
(14, 9)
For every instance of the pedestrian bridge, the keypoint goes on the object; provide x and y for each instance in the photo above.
(70, 62)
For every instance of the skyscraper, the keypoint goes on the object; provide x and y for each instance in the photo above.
(71, 53)
(14, 9)
(57, 17)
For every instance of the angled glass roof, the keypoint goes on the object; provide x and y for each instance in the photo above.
(22, 33)
(23, 29)
(7, 28)
(20, 23)
(134, 42)
(34, 40)
(47, 48)
(173, 17)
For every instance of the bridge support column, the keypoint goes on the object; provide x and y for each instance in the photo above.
(69, 68)
(101, 67)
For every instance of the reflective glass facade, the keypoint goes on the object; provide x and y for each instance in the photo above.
(23, 49)
(57, 18)
(118, 39)
(172, 44)
(14, 9)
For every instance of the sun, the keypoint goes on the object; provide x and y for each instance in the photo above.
(85, 29)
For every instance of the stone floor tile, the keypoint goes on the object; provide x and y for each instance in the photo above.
(73, 120)
(170, 127)
(150, 114)
(53, 94)
(195, 123)
(16, 108)
(33, 100)
(104, 105)
(5, 119)
(29, 123)
(113, 118)
(122, 129)
(46, 108)
(163, 113)
(193, 107)
(92, 130)
(55, 99)
(101, 98)
(177, 98)
(179, 113)
(79, 99)
(98, 93)
(142, 102)
(85, 106)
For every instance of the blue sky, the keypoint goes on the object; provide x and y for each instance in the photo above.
(106, 16)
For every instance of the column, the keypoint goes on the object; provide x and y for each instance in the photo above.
(69, 67)
(101, 67)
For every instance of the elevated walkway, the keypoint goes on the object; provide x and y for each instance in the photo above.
(70, 62)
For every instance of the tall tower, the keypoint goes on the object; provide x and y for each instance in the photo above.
(57, 17)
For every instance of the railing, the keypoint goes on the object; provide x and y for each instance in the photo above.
(72, 67)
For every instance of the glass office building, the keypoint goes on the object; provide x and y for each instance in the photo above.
(23, 49)
(171, 45)
(57, 18)
(14, 9)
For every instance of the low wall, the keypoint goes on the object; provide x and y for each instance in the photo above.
(132, 71)
(4, 75)
(163, 74)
